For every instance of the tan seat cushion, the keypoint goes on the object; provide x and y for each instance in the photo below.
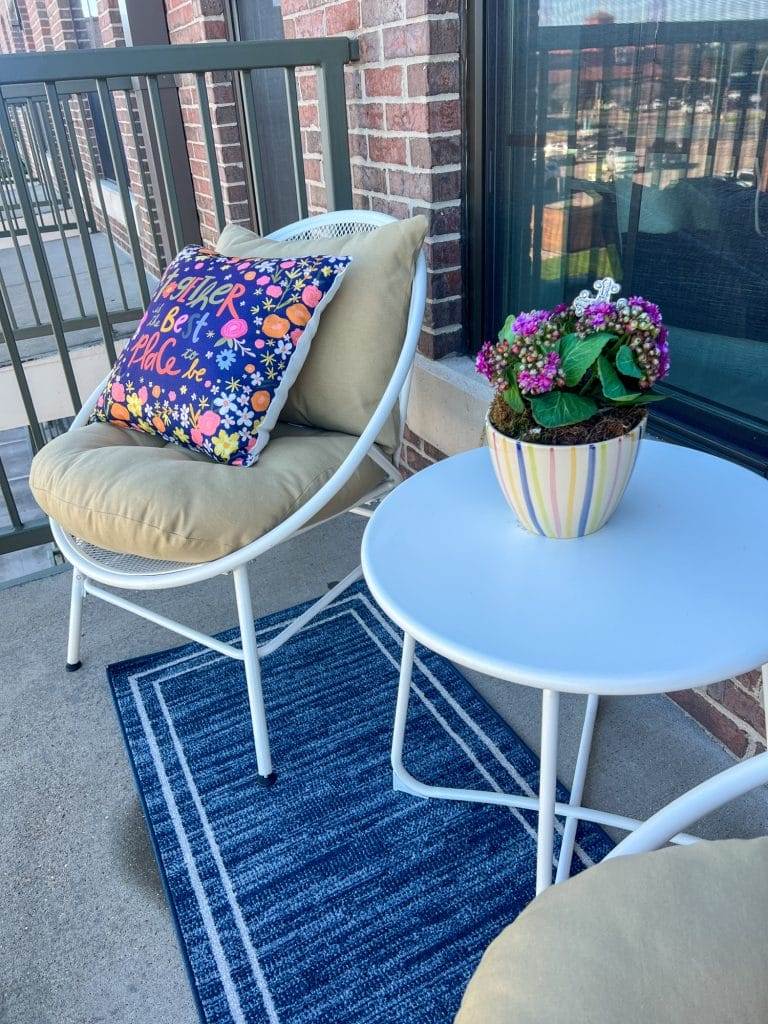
(362, 331)
(674, 937)
(133, 493)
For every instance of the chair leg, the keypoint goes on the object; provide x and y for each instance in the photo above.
(266, 776)
(75, 622)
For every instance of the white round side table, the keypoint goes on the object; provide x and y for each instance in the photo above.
(670, 594)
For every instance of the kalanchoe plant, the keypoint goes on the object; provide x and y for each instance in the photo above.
(563, 366)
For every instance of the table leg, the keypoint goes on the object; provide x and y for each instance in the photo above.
(577, 788)
(401, 716)
(550, 710)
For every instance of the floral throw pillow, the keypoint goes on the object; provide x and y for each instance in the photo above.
(217, 350)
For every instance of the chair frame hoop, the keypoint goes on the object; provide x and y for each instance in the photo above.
(396, 392)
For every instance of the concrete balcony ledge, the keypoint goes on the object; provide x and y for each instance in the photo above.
(448, 403)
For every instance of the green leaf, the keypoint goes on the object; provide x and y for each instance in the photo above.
(613, 387)
(648, 397)
(625, 362)
(506, 332)
(578, 354)
(560, 408)
(512, 395)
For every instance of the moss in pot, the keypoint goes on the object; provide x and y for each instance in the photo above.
(571, 389)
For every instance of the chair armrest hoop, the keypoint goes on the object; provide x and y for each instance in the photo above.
(695, 804)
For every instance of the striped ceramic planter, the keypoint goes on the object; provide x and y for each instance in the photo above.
(563, 491)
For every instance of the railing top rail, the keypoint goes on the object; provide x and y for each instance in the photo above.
(64, 65)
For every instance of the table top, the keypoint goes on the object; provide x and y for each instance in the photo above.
(671, 593)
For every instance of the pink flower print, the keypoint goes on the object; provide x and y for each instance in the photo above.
(236, 462)
(244, 265)
(234, 328)
(274, 291)
(196, 436)
(143, 395)
(259, 343)
(264, 279)
(171, 396)
(100, 403)
(118, 391)
(287, 264)
(311, 296)
(208, 423)
(296, 333)
(199, 265)
(206, 384)
(251, 444)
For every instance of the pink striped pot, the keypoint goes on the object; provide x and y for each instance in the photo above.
(563, 491)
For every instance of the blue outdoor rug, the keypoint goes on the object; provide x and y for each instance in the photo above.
(329, 899)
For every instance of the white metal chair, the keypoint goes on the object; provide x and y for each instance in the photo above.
(93, 566)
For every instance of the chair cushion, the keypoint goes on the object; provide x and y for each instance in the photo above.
(673, 937)
(222, 341)
(129, 492)
(361, 333)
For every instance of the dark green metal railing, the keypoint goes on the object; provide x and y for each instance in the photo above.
(72, 120)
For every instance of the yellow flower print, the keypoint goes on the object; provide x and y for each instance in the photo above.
(134, 404)
(181, 435)
(225, 444)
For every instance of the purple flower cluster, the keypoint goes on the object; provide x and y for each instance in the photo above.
(638, 323)
(540, 381)
(528, 357)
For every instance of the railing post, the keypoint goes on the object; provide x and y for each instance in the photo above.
(334, 130)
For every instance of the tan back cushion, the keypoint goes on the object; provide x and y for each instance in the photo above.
(362, 331)
(673, 937)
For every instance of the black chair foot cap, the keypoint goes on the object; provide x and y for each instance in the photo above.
(73, 666)
(267, 780)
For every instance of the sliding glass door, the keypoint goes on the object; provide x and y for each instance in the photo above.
(628, 138)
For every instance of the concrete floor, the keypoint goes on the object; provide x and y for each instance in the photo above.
(71, 284)
(85, 936)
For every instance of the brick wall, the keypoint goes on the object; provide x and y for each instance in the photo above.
(198, 21)
(405, 130)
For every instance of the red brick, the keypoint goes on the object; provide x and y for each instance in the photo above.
(370, 46)
(744, 705)
(418, 8)
(379, 12)
(342, 17)
(407, 117)
(437, 346)
(407, 40)
(394, 207)
(308, 24)
(369, 179)
(443, 254)
(358, 145)
(445, 115)
(751, 680)
(308, 115)
(431, 452)
(307, 83)
(366, 115)
(444, 221)
(384, 149)
(434, 78)
(713, 720)
(443, 284)
(384, 81)
(443, 314)
(439, 151)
